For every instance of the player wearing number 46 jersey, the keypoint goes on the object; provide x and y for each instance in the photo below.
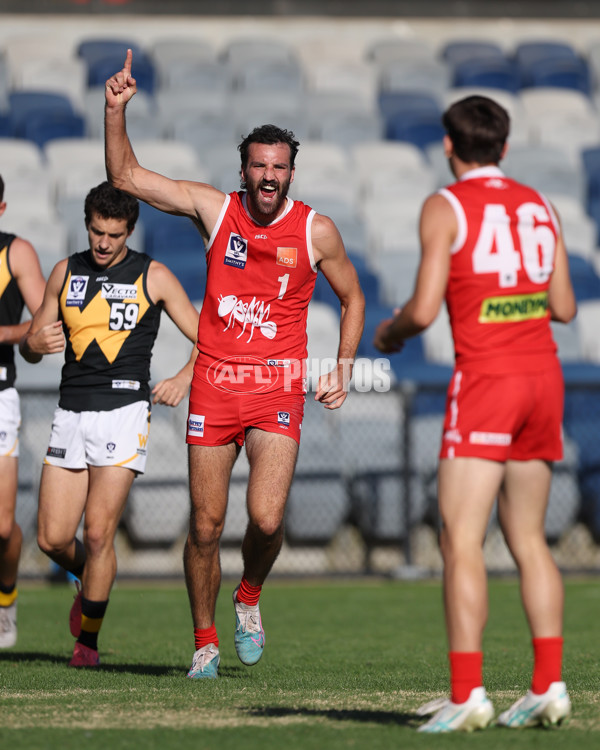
(493, 249)
(106, 304)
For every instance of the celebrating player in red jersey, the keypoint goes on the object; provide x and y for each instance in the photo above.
(493, 248)
(263, 252)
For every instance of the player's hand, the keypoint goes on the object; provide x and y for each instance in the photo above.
(122, 86)
(48, 340)
(171, 391)
(381, 339)
(333, 386)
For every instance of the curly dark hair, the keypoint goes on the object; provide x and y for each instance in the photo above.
(111, 203)
(478, 128)
(269, 134)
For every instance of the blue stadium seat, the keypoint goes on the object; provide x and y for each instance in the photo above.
(91, 50)
(529, 54)
(490, 72)
(590, 158)
(460, 51)
(392, 103)
(422, 128)
(586, 282)
(24, 105)
(567, 73)
(44, 127)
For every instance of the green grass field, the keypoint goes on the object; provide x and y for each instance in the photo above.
(345, 665)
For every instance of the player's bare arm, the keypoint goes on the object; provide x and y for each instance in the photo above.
(561, 297)
(437, 233)
(45, 334)
(163, 286)
(201, 202)
(330, 256)
(26, 270)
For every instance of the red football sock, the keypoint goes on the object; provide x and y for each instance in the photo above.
(466, 673)
(204, 636)
(248, 594)
(547, 663)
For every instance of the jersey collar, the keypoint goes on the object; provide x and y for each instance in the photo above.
(487, 171)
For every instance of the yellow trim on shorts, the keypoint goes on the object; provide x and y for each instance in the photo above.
(126, 461)
(12, 450)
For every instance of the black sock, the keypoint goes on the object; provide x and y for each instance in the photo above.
(92, 614)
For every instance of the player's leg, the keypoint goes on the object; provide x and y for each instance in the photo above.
(10, 551)
(467, 488)
(62, 498)
(522, 510)
(272, 459)
(107, 494)
(210, 470)
(10, 532)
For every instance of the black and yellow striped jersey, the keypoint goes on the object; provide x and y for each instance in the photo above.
(110, 325)
(11, 309)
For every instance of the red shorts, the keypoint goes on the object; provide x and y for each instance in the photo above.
(504, 417)
(219, 417)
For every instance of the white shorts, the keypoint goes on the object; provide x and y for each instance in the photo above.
(10, 421)
(118, 437)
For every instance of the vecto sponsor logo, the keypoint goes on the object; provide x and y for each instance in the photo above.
(514, 308)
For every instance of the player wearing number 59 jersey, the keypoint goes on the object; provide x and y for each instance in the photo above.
(111, 324)
(106, 303)
(493, 249)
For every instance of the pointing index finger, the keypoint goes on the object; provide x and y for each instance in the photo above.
(127, 65)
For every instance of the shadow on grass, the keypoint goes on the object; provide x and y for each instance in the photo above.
(392, 718)
(143, 669)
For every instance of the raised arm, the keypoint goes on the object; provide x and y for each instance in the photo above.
(333, 262)
(199, 201)
(45, 334)
(25, 267)
(164, 287)
(437, 231)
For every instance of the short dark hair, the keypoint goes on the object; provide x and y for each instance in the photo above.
(111, 203)
(1, 189)
(478, 128)
(269, 134)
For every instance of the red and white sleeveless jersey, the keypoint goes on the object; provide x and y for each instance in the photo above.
(260, 280)
(500, 269)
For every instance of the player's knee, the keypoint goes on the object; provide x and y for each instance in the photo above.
(6, 527)
(205, 531)
(96, 538)
(49, 544)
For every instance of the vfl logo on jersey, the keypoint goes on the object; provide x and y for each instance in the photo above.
(76, 291)
(110, 447)
(196, 425)
(237, 251)
(283, 418)
(287, 256)
(119, 291)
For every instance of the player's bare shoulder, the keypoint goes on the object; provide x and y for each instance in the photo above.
(326, 238)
